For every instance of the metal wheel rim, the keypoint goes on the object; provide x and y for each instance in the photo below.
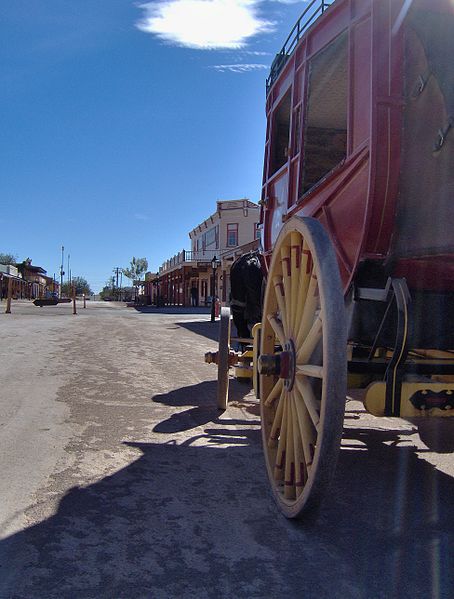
(223, 358)
(302, 412)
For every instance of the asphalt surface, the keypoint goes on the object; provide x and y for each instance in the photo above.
(121, 480)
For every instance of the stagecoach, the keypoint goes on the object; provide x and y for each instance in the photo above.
(357, 215)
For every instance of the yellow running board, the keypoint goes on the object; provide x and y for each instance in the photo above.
(426, 399)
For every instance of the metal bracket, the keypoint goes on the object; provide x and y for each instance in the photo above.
(394, 372)
(396, 290)
(442, 133)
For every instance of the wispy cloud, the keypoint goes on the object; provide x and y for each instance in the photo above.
(239, 67)
(255, 53)
(204, 24)
(289, 2)
(139, 216)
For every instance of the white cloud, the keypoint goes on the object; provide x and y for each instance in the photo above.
(139, 216)
(288, 2)
(239, 67)
(204, 24)
(255, 53)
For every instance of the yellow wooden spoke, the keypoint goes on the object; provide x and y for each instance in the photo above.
(310, 307)
(289, 479)
(310, 370)
(307, 431)
(276, 426)
(295, 265)
(312, 404)
(275, 392)
(279, 292)
(310, 342)
(303, 282)
(282, 442)
(300, 462)
(286, 281)
(277, 327)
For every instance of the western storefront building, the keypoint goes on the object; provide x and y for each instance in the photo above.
(193, 277)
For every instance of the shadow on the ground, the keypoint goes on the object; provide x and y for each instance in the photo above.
(205, 328)
(208, 329)
(201, 398)
(170, 309)
(196, 520)
(436, 433)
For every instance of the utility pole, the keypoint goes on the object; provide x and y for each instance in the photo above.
(62, 272)
(118, 271)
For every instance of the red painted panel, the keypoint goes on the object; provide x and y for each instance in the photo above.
(360, 8)
(361, 59)
(357, 201)
(334, 21)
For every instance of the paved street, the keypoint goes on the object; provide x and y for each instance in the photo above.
(121, 480)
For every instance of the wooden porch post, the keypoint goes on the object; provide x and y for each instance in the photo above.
(9, 296)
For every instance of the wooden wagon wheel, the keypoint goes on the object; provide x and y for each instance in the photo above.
(303, 366)
(223, 358)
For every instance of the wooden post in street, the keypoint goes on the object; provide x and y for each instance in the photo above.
(9, 296)
(74, 300)
(85, 301)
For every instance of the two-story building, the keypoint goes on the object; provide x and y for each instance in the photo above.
(9, 275)
(194, 276)
(27, 281)
(39, 284)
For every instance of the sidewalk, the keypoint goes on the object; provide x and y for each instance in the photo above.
(172, 309)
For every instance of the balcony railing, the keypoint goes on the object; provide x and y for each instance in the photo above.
(313, 10)
(188, 256)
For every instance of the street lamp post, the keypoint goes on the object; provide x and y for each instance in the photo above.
(214, 264)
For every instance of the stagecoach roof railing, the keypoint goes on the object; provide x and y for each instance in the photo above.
(313, 10)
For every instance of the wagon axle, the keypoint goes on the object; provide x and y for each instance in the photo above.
(281, 364)
(212, 357)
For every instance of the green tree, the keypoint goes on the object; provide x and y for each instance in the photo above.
(8, 259)
(138, 267)
(81, 284)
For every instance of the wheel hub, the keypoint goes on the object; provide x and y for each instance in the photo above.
(281, 364)
(288, 361)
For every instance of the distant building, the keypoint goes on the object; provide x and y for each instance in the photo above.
(36, 277)
(9, 272)
(27, 281)
(187, 278)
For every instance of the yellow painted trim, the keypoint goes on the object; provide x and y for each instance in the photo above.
(375, 397)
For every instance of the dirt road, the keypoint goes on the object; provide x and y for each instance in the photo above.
(121, 480)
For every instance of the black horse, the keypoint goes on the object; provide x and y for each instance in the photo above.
(246, 279)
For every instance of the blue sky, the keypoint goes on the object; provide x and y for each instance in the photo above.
(123, 122)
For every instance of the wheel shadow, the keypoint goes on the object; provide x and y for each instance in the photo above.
(190, 520)
(204, 328)
(207, 329)
(201, 398)
(391, 512)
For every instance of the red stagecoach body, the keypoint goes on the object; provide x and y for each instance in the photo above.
(357, 231)
(358, 120)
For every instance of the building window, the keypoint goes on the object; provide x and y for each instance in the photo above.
(232, 234)
(256, 230)
(325, 123)
(280, 134)
(211, 238)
